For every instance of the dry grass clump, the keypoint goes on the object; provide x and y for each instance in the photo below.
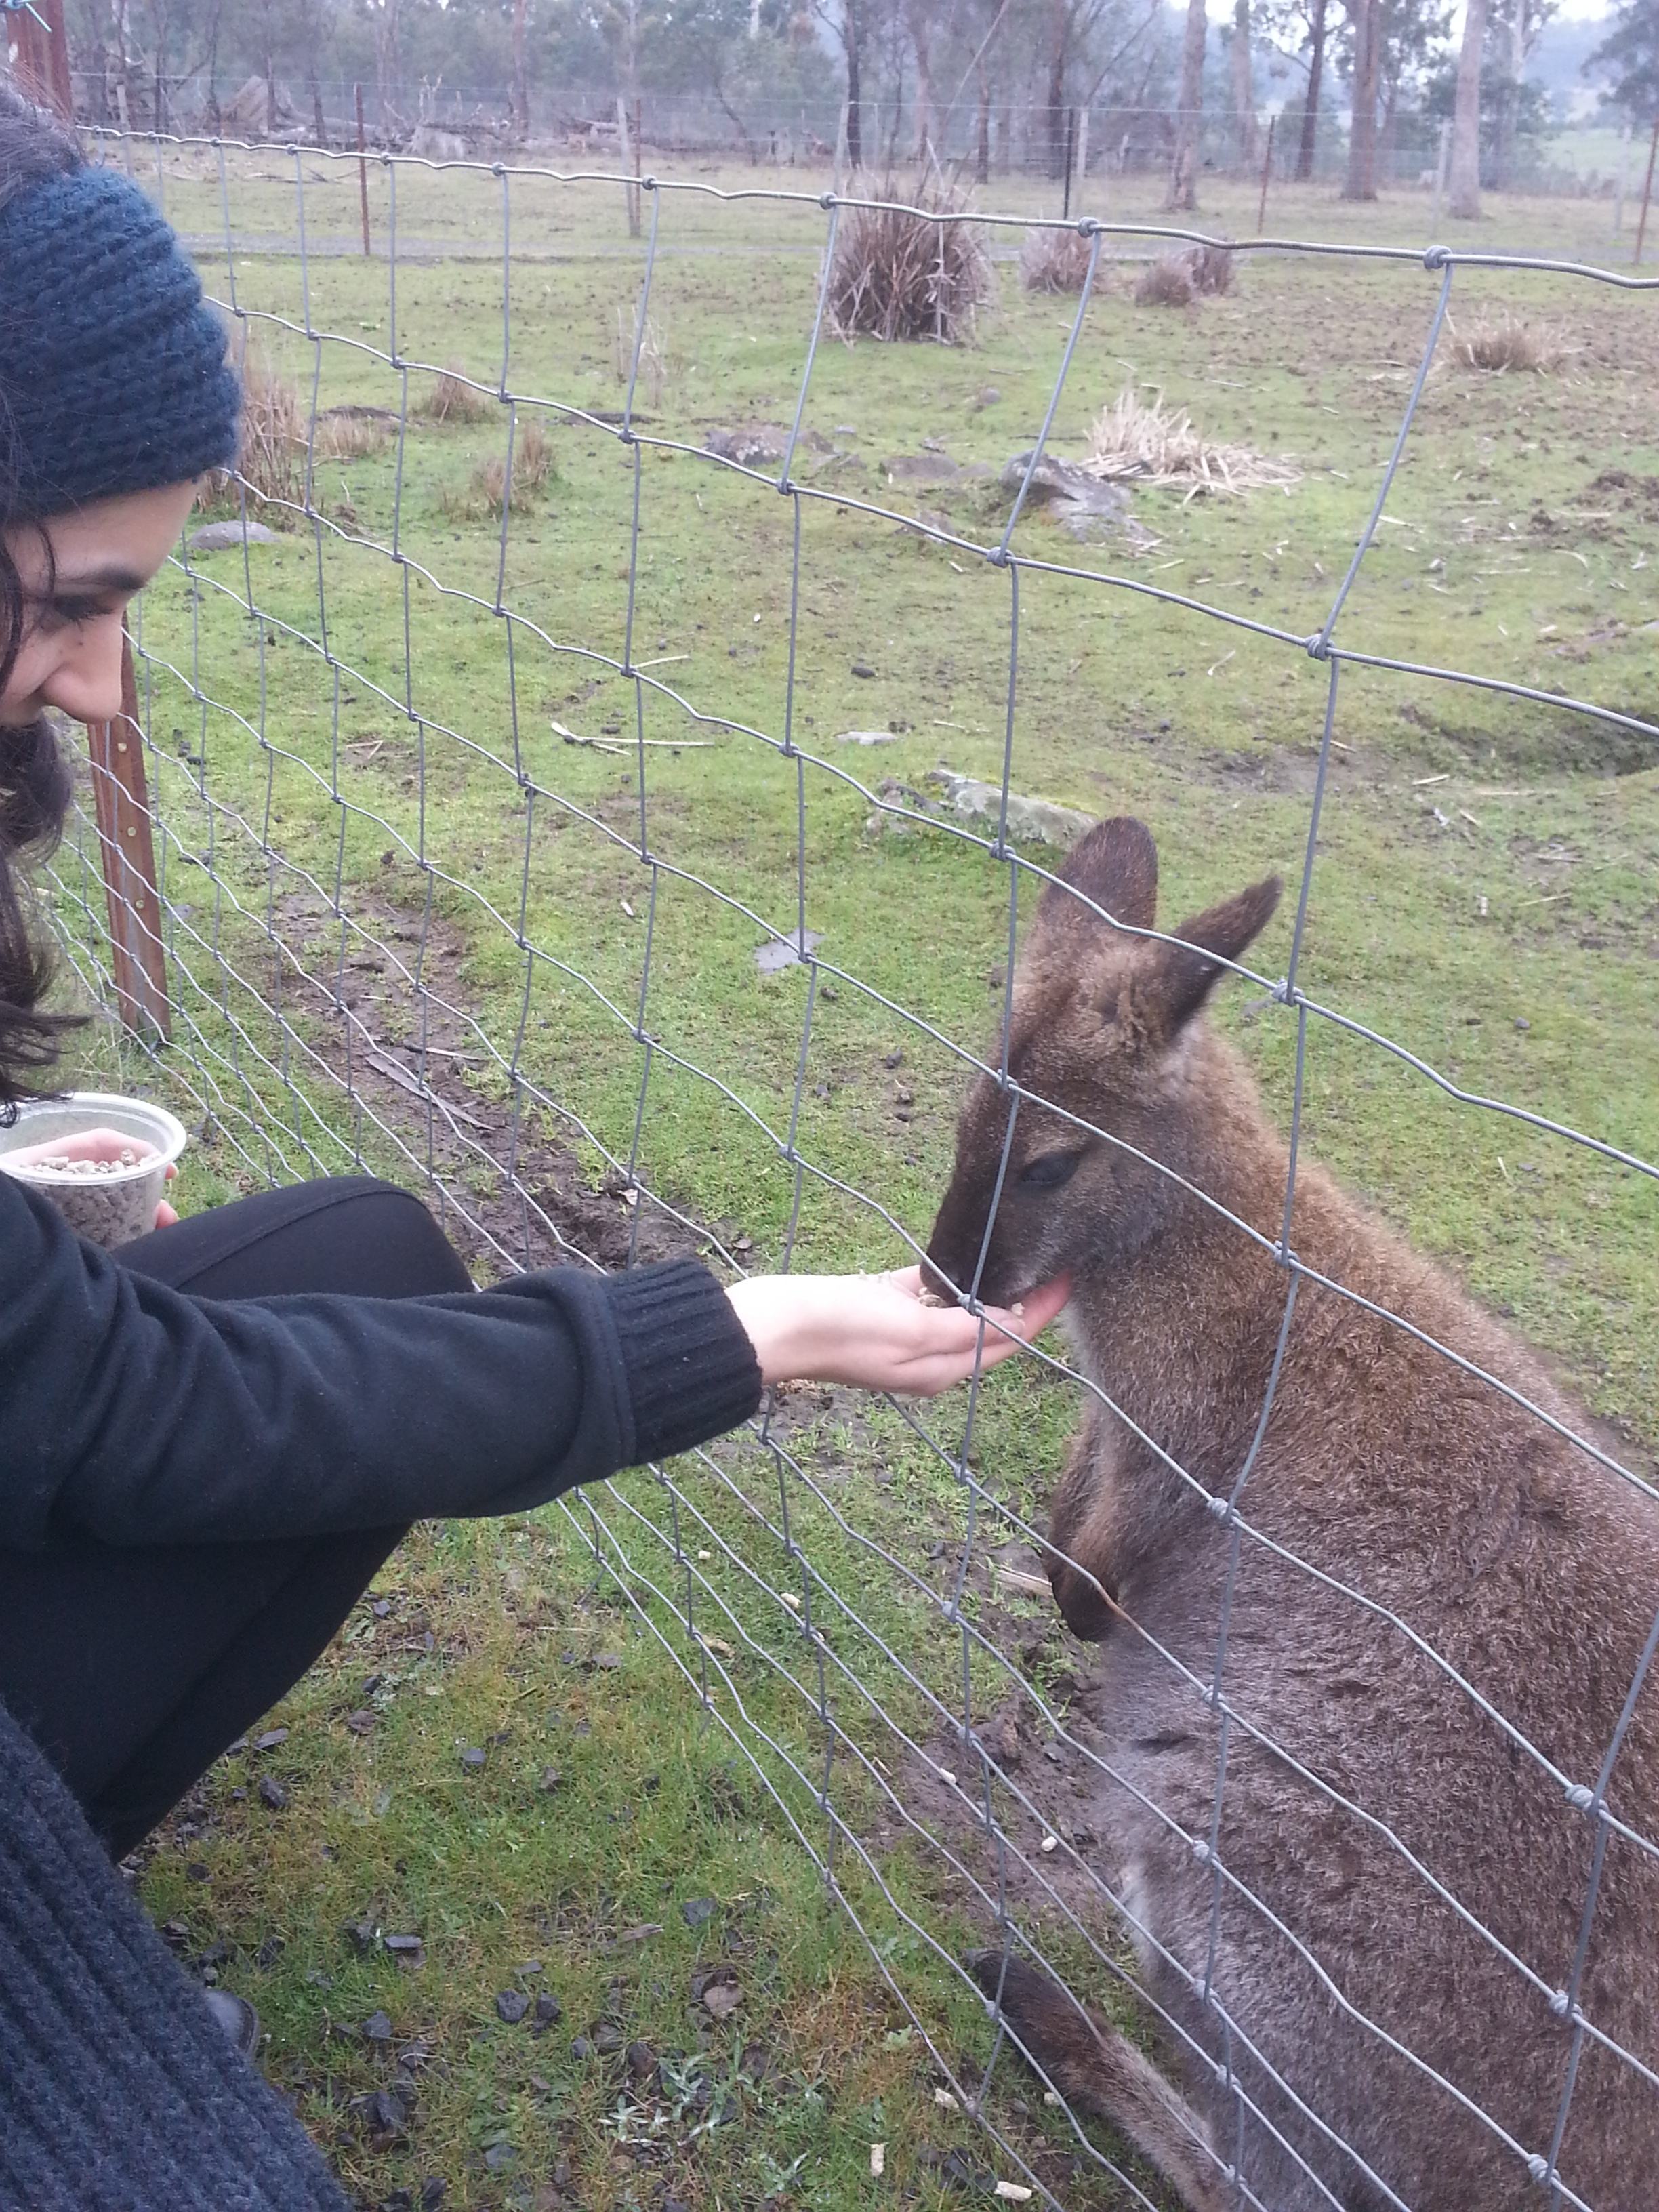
(1502, 343)
(271, 448)
(1175, 280)
(1211, 269)
(1135, 442)
(452, 399)
(900, 274)
(485, 490)
(653, 356)
(1055, 261)
(1165, 282)
(348, 434)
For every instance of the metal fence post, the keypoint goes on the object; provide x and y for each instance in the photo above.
(121, 797)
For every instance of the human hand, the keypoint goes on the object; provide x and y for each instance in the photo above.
(874, 1331)
(97, 1145)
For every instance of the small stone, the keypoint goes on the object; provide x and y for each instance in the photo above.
(362, 1934)
(607, 2040)
(641, 2060)
(721, 1999)
(362, 1721)
(380, 1607)
(378, 2027)
(862, 668)
(609, 1661)
(269, 1740)
(498, 2155)
(434, 2189)
(696, 1911)
(643, 1934)
(550, 1779)
(511, 2006)
(548, 2009)
(385, 2113)
(473, 1757)
(530, 1966)
(272, 1793)
(1521, 1023)
(582, 2047)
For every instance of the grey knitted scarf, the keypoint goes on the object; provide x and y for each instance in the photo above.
(117, 2091)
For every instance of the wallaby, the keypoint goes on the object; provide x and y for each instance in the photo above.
(1528, 1567)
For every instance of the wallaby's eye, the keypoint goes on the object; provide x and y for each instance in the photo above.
(1049, 1170)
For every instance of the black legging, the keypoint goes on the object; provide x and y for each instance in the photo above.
(134, 1667)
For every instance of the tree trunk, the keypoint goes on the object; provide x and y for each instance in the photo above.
(1183, 174)
(850, 34)
(1367, 71)
(520, 82)
(1056, 114)
(1509, 92)
(1304, 152)
(921, 40)
(1466, 128)
(1243, 90)
(317, 110)
(982, 164)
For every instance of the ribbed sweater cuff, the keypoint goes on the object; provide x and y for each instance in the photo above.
(690, 1369)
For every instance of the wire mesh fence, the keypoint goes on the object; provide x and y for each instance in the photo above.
(461, 877)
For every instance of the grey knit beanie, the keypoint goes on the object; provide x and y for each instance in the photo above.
(113, 369)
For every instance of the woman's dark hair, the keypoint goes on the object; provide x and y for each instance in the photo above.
(34, 779)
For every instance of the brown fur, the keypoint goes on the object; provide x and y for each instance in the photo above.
(1530, 1568)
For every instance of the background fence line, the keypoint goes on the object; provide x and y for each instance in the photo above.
(293, 1077)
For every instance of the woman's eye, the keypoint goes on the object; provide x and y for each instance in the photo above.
(1050, 1171)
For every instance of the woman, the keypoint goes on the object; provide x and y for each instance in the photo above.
(213, 1439)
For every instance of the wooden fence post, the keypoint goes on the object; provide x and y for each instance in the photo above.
(1647, 192)
(1266, 172)
(121, 798)
(43, 59)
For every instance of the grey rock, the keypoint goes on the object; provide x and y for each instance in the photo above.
(511, 2006)
(923, 468)
(866, 737)
(1077, 498)
(785, 951)
(1041, 821)
(378, 2027)
(220, 537)
(696, 1911)
(272, 1793)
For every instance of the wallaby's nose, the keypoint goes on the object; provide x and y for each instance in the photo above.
(953, 1248)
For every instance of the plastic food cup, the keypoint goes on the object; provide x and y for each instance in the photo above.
(106, 1207)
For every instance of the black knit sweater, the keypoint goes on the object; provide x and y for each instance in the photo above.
(132, 1414)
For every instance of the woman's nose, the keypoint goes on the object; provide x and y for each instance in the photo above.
(87, 682)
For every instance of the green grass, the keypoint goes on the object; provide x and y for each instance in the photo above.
(1484, 893)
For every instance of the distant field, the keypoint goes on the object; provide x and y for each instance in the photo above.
(1485, 893)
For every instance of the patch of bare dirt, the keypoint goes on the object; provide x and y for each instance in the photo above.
(386, 1022)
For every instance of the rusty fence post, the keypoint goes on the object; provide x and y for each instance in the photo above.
(1647, 192)
(43, 60)
(1266, 172)
(121, 797)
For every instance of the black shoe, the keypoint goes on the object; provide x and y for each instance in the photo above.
(237, 2017)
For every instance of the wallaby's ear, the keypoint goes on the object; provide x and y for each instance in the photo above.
(1183, 974)
(1115, 865)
